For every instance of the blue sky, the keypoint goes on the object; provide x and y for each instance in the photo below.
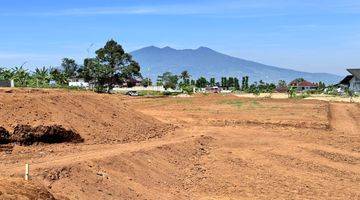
(307, 35)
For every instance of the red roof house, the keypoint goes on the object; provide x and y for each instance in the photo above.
(303, 85)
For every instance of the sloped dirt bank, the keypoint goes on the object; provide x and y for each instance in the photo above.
(99, 118)
(20, 189)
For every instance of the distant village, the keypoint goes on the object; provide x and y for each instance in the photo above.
(164, 84)
(113, 70)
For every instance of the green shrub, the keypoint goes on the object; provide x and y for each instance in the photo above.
(188, 89)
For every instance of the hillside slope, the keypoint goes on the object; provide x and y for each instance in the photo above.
(209, 63)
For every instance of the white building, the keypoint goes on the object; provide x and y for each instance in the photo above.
(352, 81)
(78, 82)
(142, 88)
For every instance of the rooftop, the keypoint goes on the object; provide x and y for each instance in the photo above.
(302, 83)
(355, 72)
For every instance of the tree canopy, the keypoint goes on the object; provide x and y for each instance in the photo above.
(111, 66)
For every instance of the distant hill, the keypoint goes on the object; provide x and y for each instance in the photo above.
(209, 63)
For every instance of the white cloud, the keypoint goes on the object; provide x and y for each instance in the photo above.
(209, 7)
(239, 8)
(26, 55)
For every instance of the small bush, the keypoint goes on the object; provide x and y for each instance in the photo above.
(150, 93)
(188, 89)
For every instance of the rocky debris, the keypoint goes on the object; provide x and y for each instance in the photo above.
(6, 148)
(56, 173)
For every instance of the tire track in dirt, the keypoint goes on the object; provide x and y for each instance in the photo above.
(345, 115)
(95, 152)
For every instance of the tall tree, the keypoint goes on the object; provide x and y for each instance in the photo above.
(224, 82)
(113, 64)
(298, 80)
(321, 85)
(69, 67)
(245, 83)
(58, 76)
(212, 82)
(236, 84)
(282, 84)
(231, 82)
(185, 76)
(169, 80)
(201, 82)
(146, 82)
(100, 74)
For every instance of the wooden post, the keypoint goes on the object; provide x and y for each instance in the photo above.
(27, 171)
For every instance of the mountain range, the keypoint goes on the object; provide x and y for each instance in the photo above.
(209, 63)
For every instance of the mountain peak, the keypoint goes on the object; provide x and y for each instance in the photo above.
(204, 48)
(168, 48)
(150, 48)
(206, 62)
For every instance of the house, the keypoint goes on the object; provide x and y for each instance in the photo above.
(78, 82)
(303, 85)
(214, 89)
(352, 82)
(134, 81)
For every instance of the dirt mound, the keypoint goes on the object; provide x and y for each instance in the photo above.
(19, 189)
(27, 135)
(99, 118)
(4, 136)
(169, 171)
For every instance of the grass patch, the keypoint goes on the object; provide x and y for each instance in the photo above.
(255, 104)
(237, 103)
(183, 100)
(194, 109)
(150, 93)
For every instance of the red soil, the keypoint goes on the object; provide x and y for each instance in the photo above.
(225, 147)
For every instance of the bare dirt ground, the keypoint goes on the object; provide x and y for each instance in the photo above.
(203, 147)
(322, 97)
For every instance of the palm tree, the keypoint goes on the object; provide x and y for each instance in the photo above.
(185, 76)
(42, 75)
(58, 76)
(21, 76)
(6, 74)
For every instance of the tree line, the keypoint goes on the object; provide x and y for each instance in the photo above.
(111, 66)
(183, 81)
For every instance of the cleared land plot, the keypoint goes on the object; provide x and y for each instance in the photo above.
(218, 147)
(229, 110)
